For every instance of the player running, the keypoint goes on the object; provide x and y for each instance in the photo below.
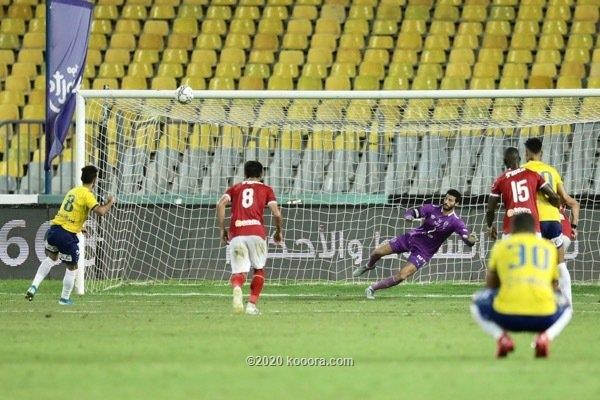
(246, 235)
(550, 216)
(439, 222)
(520, 293)
(61, 238)
(516, 187)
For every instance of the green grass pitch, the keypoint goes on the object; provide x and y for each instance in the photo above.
(183, 342)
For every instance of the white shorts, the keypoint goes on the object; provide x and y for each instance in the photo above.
(246, 252)
(566, 242)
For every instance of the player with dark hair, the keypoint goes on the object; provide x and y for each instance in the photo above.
(246, 235)
(61, 238)
(517, 188)
(520, 294)
(439, 222)
(550, 216)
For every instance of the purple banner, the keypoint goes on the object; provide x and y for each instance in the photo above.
(67, 35)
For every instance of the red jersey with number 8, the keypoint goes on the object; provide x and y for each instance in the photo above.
(518, 189)
(248, 202)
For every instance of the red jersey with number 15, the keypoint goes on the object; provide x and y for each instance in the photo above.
(518, 189)
(248, 202)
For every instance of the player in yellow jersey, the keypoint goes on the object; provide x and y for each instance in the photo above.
(521, 290)
(61, 238)
(550, 217)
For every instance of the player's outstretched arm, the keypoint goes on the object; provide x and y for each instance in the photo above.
(553, 198)
(103, 209)
(490, 216)
(278, 236)
(572, 204)
(223, 234)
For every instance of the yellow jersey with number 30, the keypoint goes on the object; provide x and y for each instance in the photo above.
(526, 266)
(546, 210)
(75, 208)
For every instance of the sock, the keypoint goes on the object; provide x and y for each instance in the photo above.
(258, 280)
(68, 282)
(564, 282)
(42, 272)
(372, 260)
(238, 280)
(488, 326)
(560, 324)
(386, 283)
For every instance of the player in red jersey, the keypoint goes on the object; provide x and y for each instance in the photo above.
(246, 235)
(518, 188)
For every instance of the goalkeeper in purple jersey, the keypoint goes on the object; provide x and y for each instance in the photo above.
(439, 222)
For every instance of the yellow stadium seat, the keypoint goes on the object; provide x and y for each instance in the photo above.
(593, 82)
(555, 27)
(491, 56)
(37, 25)
(356, 26)
(214, 26)
(251, 83)
(174, 56)
(314, 71)
(358, 11)
(482, 84)
(17, 83)
(122, 41)
(150, 41)
(309, 12)
(242, 26)
(233, 56)
(187, 26)
(352, 56)
(466, 42)
(433, 57)
(100, 12)
(568, 82)
(163, 83)
(386, 11)
(221, 84)
(470, 28)
(351, 41)
(405, 57)
(414, 26)
(36, 56)
(294, 41)
(551, 42)
(15, 98)
(540, 82)
(424, 83)
(135, 11)
(247, 12)
(310, 83)
(401, 71)
(26, 69)
(474, 13)
(89, 71)
(172, 70)
(7, 57)
(238, 41)
(519, 56)
(195, 83)
(526, 27)
(558, 12)
(466, 56)
(9, 112)
(145, 56)
(442, 28)
(180, 41)
(502, 13)
(36, 40)
(190, 11)
(511, 82)
(523, 42)
(280, 83)
(334, 11)
(40, 11)
(446, 13)
(337, 83)
(259, 70)
(573, 69)
(108, 70)
(261, 57)
(498, 28)
(226, 70)
(582, 41)
(548, 56)
(530, 13)
(328, 26)
(133, 82)
(162, 12)
(494, 42)
(324, 41)
(362, 82)
(430, 70)
(102, 83)
(40, 82)
(317, 56)
(586, 13)
(486, 70)
(343, 69)
(458, 70)
(279, 12)
(13, 25)
(266, 41)
(379, 56)
(270, 26)
(546, 69)
(156, 27)
(579, 55)
(140, 69)
(395, 83)
(286, 70)
(437, 42)
(385, 27)
(372, 69)
(208, 41)
(128, 26)
(199, 70)
(409, 41)
(417, 12)
(515, 70)
(452, 84)
(594, 70)
(381, 42)
(583, 27)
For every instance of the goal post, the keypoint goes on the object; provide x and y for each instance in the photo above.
(344, 166)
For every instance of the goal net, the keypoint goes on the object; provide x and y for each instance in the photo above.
(344, 166)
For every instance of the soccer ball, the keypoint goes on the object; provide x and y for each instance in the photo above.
(184, 94)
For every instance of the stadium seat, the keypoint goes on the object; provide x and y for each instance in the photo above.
(242, 26)
(140, 69)
(162, 12)
(35, 40)
(134, 12)
(123, 41)
(108, 70)
(271, 26)
(401, 70)
(519, 56)
(328, 26)
(175, 56)
(131, 82)
(546, 69)
(366, 82)
(251, 83)
(280, 83)
(337, 83)
(314, 71)
(343, 69)
(170, 70)
(309, 83)
(238, 41)
(151, 41)
(540, 82)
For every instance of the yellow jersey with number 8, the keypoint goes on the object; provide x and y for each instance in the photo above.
(526, 266)
(75, 208)
(546, 210)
